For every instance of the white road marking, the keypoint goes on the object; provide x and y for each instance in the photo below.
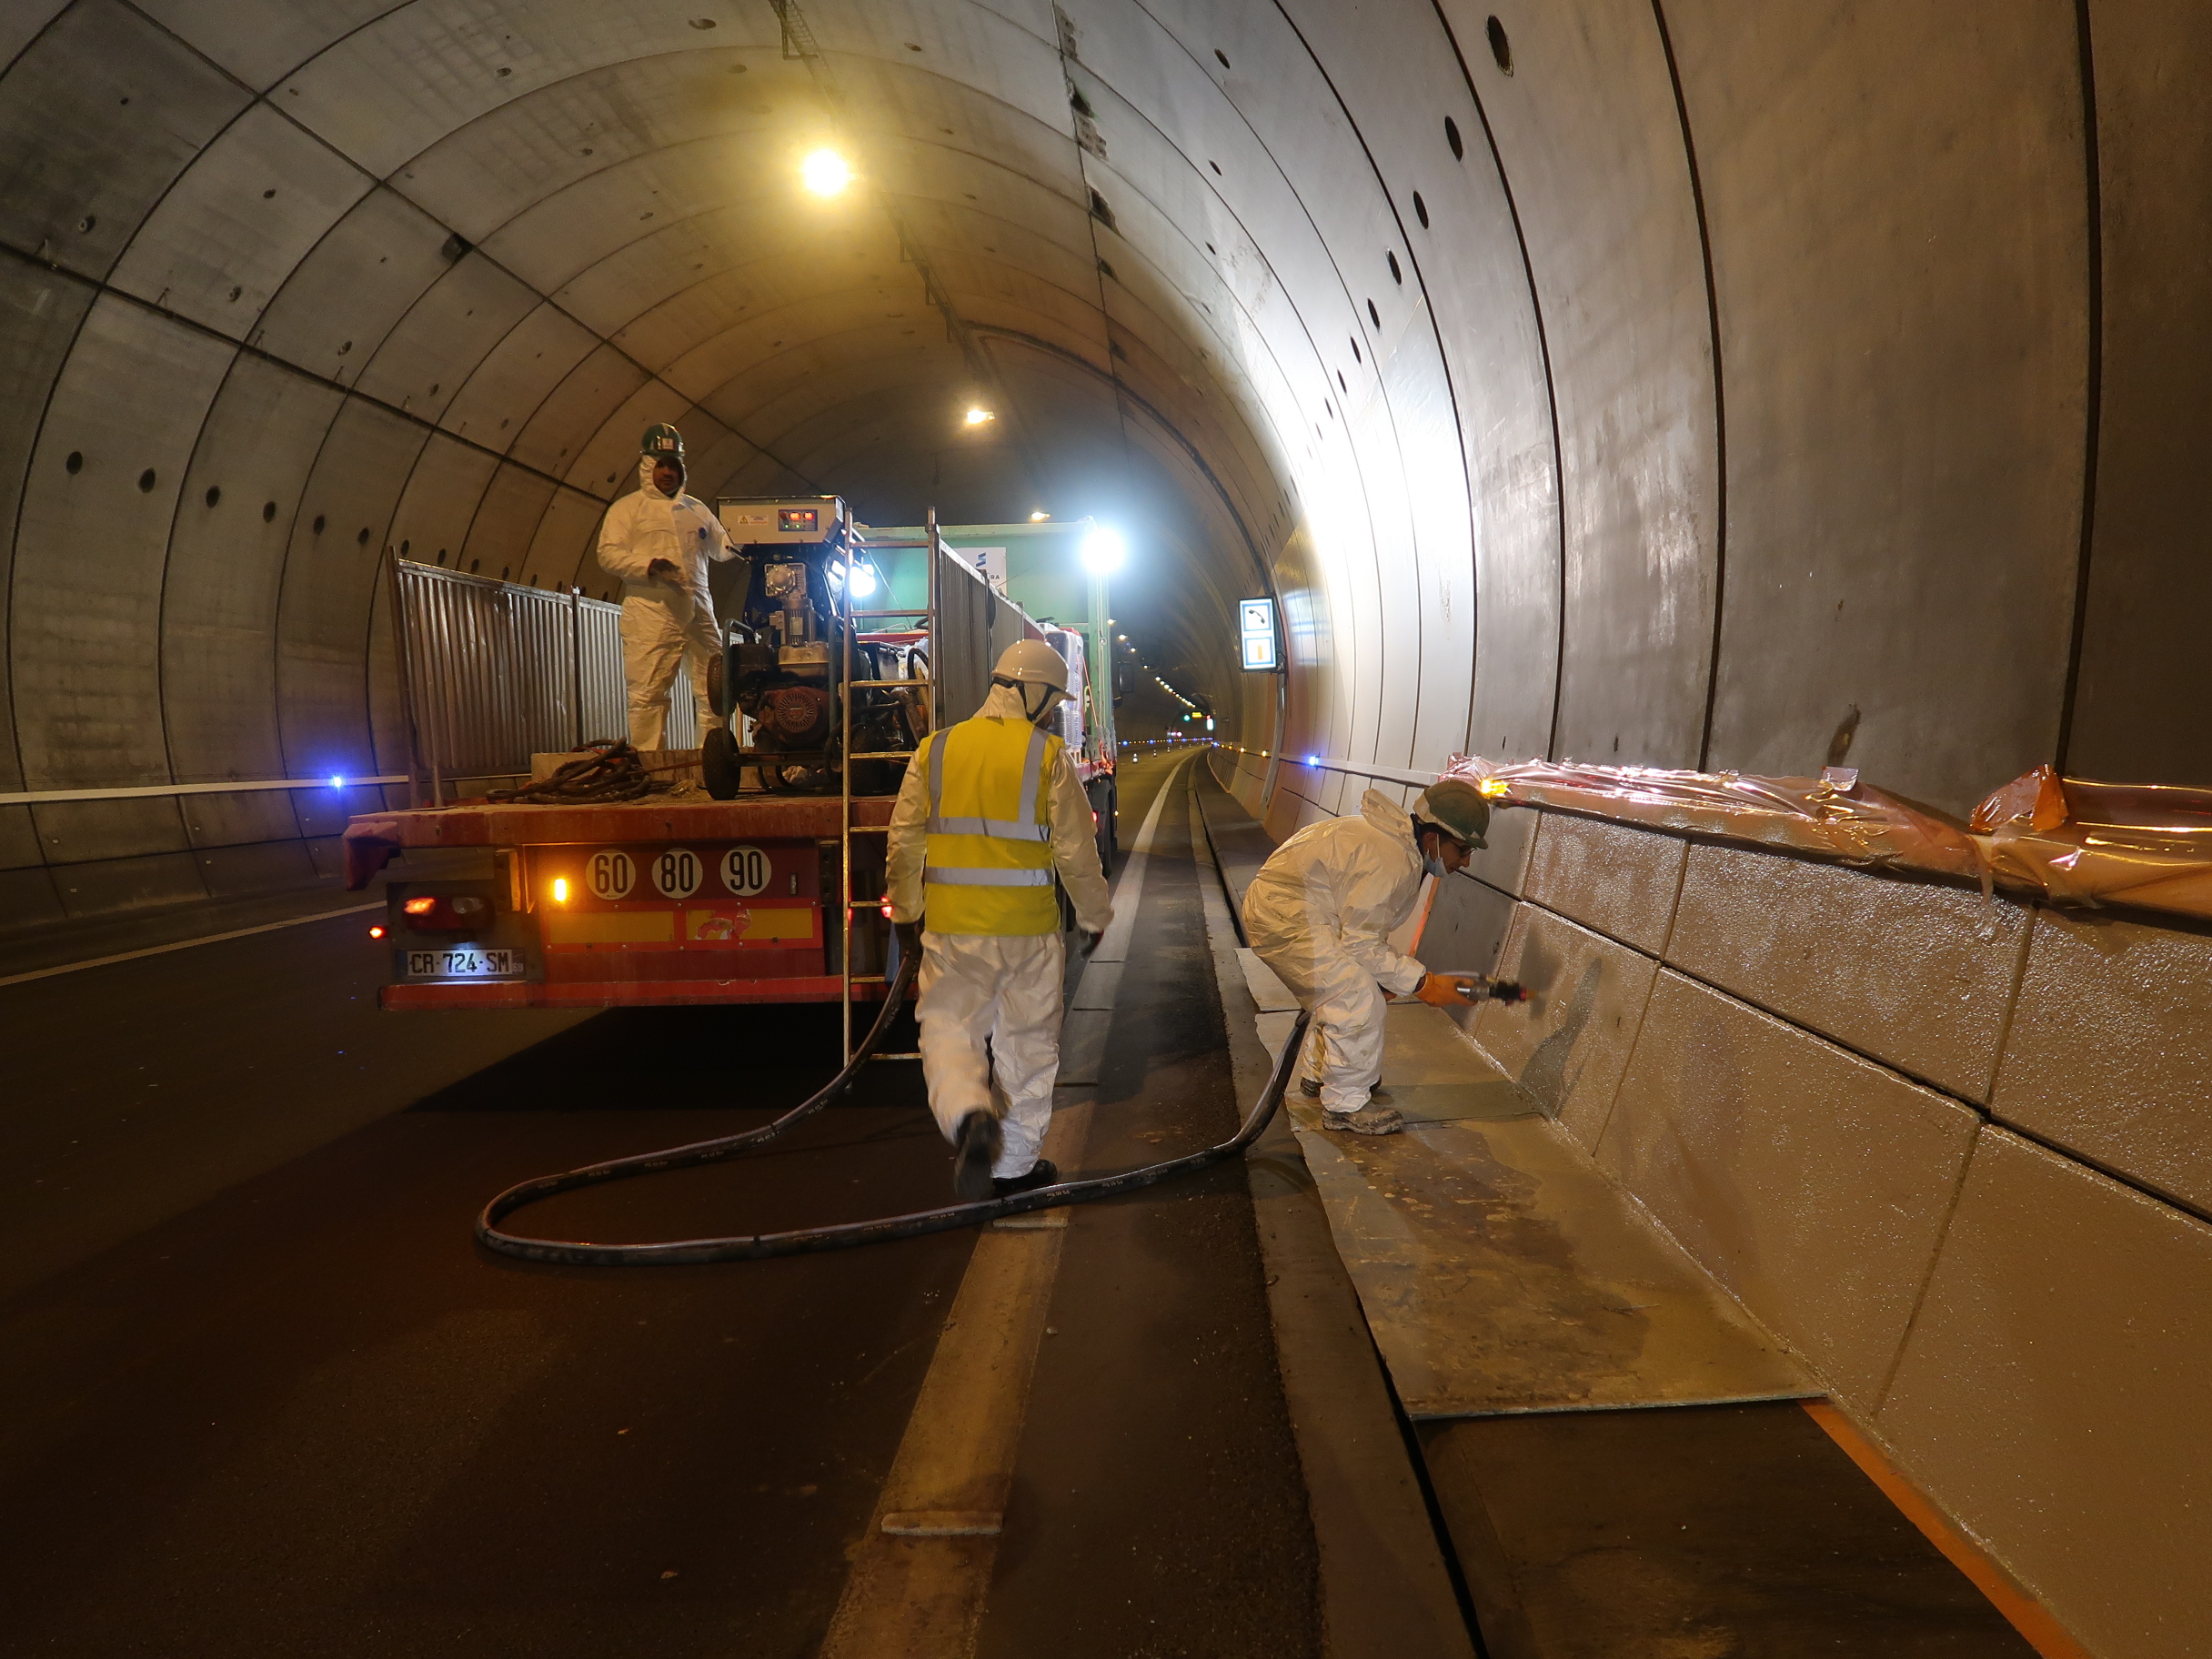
(187, 944)
(920, 1575)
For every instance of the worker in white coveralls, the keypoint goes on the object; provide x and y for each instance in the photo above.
(658, 541)
(1320, 914)
(990, 809)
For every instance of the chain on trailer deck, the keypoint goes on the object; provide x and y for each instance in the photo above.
(843, 1235)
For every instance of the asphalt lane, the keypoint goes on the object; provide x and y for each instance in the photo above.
(265, 1395)
(310, 1416)
(1159, 1507)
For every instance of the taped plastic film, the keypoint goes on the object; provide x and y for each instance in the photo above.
(2066, 841)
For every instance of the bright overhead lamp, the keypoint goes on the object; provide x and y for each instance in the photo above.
(1104, 552)
(1039, 517)
(862, 582)
(978, 415)
(825, 172)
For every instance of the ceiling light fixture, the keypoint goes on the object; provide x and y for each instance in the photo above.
(825, 172)
(977, 416)
(1039, 517)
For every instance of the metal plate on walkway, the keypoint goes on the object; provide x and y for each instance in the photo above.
(1500, 1272)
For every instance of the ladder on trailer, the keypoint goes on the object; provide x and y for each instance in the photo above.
(848, 904)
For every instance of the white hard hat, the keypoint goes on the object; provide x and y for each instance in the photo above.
(1032, 662)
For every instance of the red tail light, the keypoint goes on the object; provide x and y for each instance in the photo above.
(447, 913)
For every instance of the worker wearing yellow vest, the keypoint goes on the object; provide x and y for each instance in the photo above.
(991, 809)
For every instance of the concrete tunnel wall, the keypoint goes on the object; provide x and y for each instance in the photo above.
(1697, 383)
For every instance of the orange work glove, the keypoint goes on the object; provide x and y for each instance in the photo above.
(1442, 991)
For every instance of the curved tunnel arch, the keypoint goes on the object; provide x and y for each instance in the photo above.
(1724, 383)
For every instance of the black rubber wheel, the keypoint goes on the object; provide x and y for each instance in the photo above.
(719, 764)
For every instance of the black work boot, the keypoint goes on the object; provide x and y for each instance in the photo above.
(972, 1156)
(1044, 1175)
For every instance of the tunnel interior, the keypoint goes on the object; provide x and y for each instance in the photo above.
(1690, 385)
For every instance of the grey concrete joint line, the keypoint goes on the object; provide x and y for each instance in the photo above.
(100, 286)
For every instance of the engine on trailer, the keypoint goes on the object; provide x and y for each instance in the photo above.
(783, 652)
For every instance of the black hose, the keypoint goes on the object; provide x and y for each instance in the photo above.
(806, 1240)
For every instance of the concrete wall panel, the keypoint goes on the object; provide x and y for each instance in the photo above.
(1824, 946)
(92, 546)
(18, 839)
(331, 315)
(261, 867)
(2109, 1053)
(2150, 583)
(1466, 928)
(574, 410)
(1588, 133)
(114, 886)
(226, 568)
(97, 117)
(237, 820)
(424, 361)
(507, 524)
(40, 314)
(330, 584)
(1812, 1185)
(85, 832)
(247, 210)
(1568, 1046)
(431, 525)
(259, 40)
(2052, 1394)
(1896, 199)
(495, 402)
(21, 22)
(1620, 880)
(28, 899)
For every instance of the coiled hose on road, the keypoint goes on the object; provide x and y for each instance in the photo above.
(806, 1240)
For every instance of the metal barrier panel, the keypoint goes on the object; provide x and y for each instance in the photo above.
(495, 672)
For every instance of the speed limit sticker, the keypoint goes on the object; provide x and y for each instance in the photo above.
(745, 871)
(612, 872)
(677, 872)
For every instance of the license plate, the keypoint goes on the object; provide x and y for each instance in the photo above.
(465, 962)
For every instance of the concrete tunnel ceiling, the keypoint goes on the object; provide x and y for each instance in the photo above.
(1683, 384)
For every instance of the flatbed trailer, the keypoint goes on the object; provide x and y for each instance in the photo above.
(769, 893)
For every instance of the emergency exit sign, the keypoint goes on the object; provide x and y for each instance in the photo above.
(1256, 633)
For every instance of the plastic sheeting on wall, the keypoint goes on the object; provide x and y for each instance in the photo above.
(2063, 840)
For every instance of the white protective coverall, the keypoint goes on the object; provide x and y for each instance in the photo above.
(1005, 988)
(664, 623)
(1320, 914)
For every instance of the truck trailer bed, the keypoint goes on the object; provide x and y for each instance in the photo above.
(634, 903)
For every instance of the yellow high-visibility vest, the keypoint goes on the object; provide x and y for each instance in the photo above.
(987, 867)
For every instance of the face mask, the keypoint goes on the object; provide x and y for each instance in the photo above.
(1434, 866)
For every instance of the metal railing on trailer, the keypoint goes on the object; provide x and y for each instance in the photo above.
(848, 903)
(492, 672)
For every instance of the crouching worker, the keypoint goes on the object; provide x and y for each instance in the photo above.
(1320, 914)
(990, 809)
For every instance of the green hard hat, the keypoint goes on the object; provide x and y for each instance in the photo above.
(662, 440)
(1456, 807)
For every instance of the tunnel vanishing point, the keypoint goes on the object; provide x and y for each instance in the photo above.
(1693, 383)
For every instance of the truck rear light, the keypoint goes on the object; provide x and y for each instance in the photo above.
(560, 889)
(377, 932)
(448, 913)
